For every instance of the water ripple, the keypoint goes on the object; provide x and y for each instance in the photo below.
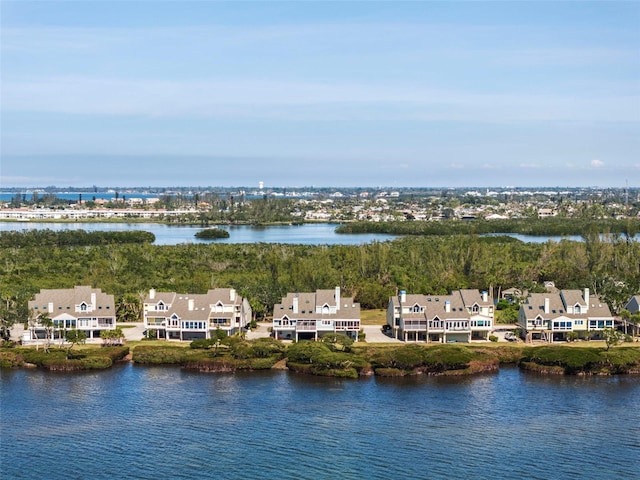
(151, 422)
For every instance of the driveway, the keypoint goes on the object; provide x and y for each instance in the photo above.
(374, 335)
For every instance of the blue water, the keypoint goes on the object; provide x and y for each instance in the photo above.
(153, 422)
(307, 234)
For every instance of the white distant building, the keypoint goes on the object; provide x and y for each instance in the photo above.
(260, 185)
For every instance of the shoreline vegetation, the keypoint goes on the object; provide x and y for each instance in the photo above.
(212, 233)
(524, 226)
(335, 357)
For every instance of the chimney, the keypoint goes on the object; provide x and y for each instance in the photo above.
(232, 294)
(93, 300)
(447, 306)
(586, 296)
(546, 305)
(295, 304)
(191, 304)
(50, 307)
(152, 293)
(485, 296)
(403, 296)
(337, 298)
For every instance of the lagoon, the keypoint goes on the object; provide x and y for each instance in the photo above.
(306, 234)
(163, 422)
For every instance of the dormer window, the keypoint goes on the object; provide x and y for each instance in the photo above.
(475, 308)
(577, 309)
(83, 307)
(416, 308)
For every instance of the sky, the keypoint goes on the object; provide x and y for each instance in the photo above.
(303, 93)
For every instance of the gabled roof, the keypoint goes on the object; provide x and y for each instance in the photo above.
(164, 297)
(534, 306)
(308, 301)
(573, 297)
(65, 300)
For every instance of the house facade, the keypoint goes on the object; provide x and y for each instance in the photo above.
(178, 316)
(308, 316)
(82, 308)
(462, 316)
(552, 316)
(633, 305)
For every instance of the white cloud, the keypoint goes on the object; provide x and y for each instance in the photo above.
(597, 163)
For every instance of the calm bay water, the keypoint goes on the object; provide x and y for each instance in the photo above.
(152, 422)
(307, 234)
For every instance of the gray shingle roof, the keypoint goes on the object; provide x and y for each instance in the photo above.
(64, 300)
(307, 303)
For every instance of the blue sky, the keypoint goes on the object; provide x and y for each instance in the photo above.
(136, 93)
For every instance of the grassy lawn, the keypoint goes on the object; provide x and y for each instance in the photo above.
(373, 317)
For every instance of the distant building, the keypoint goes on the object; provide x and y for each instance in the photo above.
(178, 316)
(82, 308)
(308, 316)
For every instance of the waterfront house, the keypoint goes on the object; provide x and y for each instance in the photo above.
(82, 308)
(552, 316)
(178, 316)
(633, 305)
(308, 316)
(461, 316)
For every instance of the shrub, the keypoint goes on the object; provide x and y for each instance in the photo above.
(158, 355)
(306, 351)
(10, 360)
(449, 357)
(212, 233)
(338, 342)
(203, 343)
(493, 338)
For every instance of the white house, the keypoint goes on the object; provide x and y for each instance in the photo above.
(552, 316)
(178, 316)
(82, 308)
(462, 316)
(307, 316)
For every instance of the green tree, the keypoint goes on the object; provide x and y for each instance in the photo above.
(338, 342)
(12, 310)
(72, 337)
(612, 337)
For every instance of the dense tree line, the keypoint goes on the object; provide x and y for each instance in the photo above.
(529, 226)
(70, 238)
(371, 272)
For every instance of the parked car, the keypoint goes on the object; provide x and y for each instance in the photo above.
(510, 337)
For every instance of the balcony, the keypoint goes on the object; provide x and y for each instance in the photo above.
(347, 326)
(306, 327)
(415, 326)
